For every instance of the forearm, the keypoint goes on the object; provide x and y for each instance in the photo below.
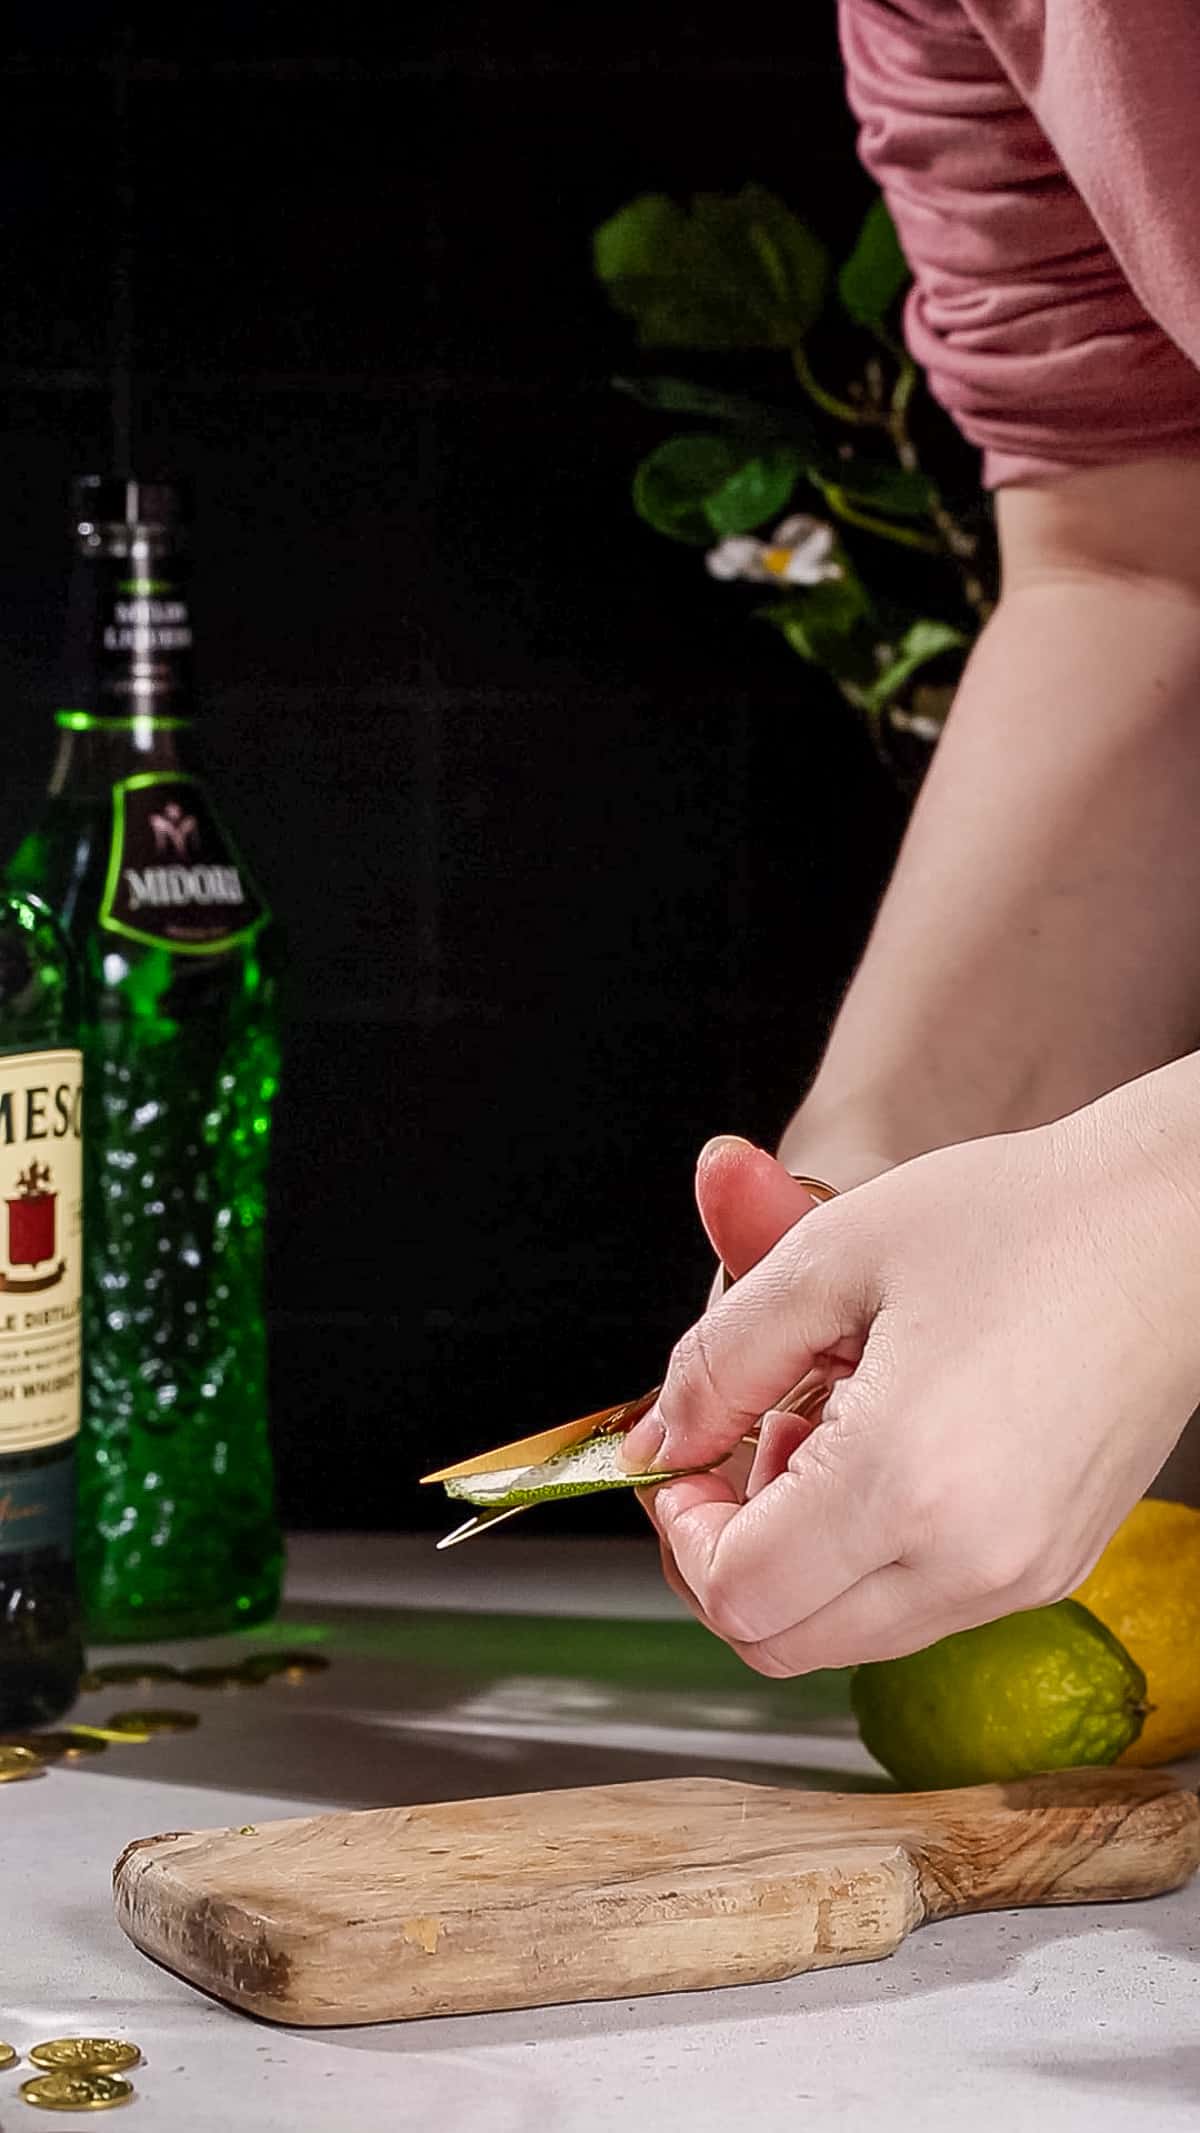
(1040, 940)
(1140, 1144)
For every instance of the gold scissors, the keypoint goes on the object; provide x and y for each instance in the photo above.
(804, 1399)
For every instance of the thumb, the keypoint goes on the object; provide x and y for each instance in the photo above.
(746, 1200)
(815, 1293)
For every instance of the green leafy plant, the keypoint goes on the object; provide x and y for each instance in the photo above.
(814, 491)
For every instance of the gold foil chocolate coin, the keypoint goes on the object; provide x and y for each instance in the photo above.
(294, 1665)
(99, 1735)
(63, 2091)
(9, 2055)
(86, 2055)
(123, 1673)
(213, 1677)
(57, 1743)
(40, 1744)
(139, 1725)
(258, 1669)
(19, 1762)
(73, 1743)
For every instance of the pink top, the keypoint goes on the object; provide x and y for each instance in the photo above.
(1042, 162)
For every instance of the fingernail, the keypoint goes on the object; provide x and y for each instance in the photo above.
(643, 1444)
(721, 1141)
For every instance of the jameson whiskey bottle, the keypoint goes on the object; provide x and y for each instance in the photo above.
(177, 1534)
(41, 1184)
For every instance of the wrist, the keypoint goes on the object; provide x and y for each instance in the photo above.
(1141, 1146)
(1147, 1136)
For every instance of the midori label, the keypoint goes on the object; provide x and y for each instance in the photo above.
(173, 881)
(40, 1231)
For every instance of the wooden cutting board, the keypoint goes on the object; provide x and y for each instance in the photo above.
(612, 1890)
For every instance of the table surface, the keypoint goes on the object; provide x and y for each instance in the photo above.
(499, 1669)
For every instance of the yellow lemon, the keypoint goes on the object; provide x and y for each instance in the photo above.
(1146, 1590)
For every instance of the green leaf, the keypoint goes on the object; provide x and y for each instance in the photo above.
(776, 257)
(699, 488)
(738, 271)
(829, 625)
(899, 492)
(761, 489)
(649, 236)
(683, 396)
(921, 642)
(876, 271)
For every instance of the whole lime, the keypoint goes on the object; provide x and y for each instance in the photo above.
(1044, 1690)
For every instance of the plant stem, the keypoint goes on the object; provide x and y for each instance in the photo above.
(841, 410)
(888, 530)
(954, 541)
(871, 716)
(960, 546)
(875, 718)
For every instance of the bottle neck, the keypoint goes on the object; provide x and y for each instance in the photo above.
(92, 758)
(128, 664)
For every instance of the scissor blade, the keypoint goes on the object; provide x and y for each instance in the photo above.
(534, 1451)
(479, 1524)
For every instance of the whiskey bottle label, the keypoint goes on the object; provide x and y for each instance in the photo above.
(37, 1507)
(173, 879)
(41, 1184)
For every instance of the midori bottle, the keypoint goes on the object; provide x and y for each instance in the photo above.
(41, 1186)
(177, 1533)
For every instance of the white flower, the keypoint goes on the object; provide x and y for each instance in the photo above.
(921, 728)
(737, 557)
(800, 552)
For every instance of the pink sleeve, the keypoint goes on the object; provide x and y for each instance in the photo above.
(1022, 312)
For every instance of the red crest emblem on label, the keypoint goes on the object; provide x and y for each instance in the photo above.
(33, 1222)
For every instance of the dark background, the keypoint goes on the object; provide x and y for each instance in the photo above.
(574, 859)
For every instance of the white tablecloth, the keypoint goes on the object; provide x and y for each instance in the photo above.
(1030, 2022)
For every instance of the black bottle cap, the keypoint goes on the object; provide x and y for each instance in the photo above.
(123, 500)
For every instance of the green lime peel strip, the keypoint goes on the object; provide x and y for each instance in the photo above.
(582, 1470)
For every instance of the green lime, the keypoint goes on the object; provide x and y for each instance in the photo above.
(1045, 1690)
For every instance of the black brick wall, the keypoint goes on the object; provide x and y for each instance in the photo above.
(573, 862)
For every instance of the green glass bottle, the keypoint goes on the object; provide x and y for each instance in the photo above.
(177, 1533)
(41, 1184)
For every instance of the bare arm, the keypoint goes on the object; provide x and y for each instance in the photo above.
(1009, 1319)
(1040, 939)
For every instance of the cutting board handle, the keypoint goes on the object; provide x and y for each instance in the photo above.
(1074, 1836)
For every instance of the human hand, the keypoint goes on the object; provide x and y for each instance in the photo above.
(747, 1201)
(1013, 1325)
